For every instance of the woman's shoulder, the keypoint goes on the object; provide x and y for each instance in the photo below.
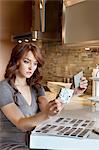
(4, 83)
(6, 95)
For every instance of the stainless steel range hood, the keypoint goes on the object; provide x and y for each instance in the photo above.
(46, 21)
(81, 25)
(50, 20)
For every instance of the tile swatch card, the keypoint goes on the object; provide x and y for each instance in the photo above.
(77, 79)
(69, 127)
(65, 95)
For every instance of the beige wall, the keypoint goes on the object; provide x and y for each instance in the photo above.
(5, 50)
(15, 19)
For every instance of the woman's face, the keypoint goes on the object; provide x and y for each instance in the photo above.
(27, 65)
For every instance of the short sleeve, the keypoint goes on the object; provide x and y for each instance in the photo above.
(40, 91)
(6, 95)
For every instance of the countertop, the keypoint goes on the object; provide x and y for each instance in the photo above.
(79, 107)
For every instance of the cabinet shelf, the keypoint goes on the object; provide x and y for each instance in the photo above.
(94, 78)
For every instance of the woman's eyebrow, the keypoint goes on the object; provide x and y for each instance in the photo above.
(27, 59)
(30, 59)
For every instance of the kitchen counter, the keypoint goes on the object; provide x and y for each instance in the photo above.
(55, 86)
(60, 84)
(75, 109)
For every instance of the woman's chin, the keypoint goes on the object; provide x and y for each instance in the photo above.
(28, 76)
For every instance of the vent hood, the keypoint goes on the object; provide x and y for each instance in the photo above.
(46, 21)
(81, 25)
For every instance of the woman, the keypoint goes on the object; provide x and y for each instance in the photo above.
(21, 96)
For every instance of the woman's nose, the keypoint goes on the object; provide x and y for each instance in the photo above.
(30, 66)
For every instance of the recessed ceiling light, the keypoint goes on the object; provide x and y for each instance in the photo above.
(26, 40)
(33, 39)
(87, 48)
(19, 41)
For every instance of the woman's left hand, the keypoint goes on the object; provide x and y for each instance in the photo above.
(83, 86)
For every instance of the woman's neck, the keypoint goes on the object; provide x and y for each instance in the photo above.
(20, 81)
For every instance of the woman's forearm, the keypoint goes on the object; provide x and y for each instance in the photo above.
(28, 123)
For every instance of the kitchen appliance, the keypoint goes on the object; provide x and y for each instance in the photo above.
(46, 21)
(95, 81)
(95, 87)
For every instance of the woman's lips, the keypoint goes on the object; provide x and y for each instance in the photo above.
(29, 72)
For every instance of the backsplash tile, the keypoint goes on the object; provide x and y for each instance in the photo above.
(62, 63)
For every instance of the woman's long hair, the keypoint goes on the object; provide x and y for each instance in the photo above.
(17, 52)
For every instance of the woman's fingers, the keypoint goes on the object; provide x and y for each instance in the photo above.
(54, 106)
(83, 83)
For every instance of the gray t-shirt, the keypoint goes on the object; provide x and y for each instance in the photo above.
(8, 131)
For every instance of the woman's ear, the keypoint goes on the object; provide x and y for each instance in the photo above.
(17, 64)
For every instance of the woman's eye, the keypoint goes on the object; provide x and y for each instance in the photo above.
(35, 63)
(26, 62)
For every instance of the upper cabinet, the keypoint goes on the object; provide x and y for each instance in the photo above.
(81, 23)
(15, 18)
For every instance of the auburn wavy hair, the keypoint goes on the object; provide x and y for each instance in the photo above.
(17, 53)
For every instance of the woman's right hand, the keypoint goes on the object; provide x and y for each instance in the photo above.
(53, 107)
